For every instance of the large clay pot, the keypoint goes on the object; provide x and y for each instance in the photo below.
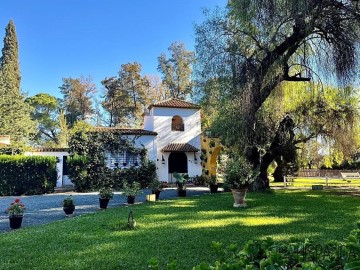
(103, 203)
(69, 209)
(181, 192)
(15, 222)
(239, 197)
(213, 188)
(131, 199)
(157, 193)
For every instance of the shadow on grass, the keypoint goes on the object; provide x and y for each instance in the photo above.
(181, 229)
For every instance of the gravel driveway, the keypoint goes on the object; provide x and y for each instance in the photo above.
(47, 208)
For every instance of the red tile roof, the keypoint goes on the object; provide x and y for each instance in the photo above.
(49, 149)
(180, 147)
(125, 131)
(175, 103)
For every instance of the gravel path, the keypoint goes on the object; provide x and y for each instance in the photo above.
(47, 208)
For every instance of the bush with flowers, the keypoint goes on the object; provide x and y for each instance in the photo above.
(16, 208)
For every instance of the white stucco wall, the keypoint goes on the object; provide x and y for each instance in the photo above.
(147, 141)
(162, 118)
(61, 179)
(149, 122)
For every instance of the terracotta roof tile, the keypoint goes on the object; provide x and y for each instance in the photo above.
(125, 131)
(180, 147)
(49, 149)
(175, 103)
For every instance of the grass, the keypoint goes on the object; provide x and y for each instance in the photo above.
(180, 229)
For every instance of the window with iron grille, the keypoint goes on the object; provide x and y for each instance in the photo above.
(124, 160)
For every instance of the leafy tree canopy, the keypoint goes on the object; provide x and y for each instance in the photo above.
(177, 70)
(245, 52)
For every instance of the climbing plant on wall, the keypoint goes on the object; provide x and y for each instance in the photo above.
(88, 167)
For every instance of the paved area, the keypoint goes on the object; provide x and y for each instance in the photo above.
(42, 209)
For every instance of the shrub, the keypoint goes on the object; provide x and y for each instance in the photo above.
(238, 173)
(88, 167)
(27, 175)
(78, 172)
(267, 254)
(147, 173)
(87, 176)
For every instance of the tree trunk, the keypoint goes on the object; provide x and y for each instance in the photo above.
(279, 147)
(279, 171)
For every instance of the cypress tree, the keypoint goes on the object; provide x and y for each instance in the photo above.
(9, 62)
(14, 112)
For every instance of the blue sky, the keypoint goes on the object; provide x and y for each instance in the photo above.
(69, 38)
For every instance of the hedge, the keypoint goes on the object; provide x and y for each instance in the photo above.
(21, 175)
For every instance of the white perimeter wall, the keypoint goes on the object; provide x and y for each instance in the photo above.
(59, 165)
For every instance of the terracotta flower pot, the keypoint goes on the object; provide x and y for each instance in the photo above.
(15, 222)
(239, 197)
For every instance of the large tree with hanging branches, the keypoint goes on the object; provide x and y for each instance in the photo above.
(247, 51)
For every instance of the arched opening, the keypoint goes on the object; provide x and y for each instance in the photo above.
(213, 160)
(177, 123)
(178, 162)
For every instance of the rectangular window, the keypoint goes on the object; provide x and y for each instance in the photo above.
(124, 160)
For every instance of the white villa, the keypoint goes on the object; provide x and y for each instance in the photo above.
(171, 135)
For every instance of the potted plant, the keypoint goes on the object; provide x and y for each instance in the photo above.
(239, 174)
(180, 183)
(68, 205)
(213, 184)
(156, 188)
(131, 190)
(106, 194)
(16, 213)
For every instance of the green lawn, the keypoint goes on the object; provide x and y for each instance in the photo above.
(181, 229)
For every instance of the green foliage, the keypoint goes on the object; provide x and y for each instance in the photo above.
(9, 62)
(46, 113)
(77, 166)
(16, 208)
(125, 96)
(155, 185)
(131, 189)
(181, 229)
(177, 70)
(249, 50)
(200, 180)
(106, 193)
(68, 202)
(238, 172)
(88, 169)
(180, 179)
(267, 254)
(15, 113)
(77, 102)
(146, 173)
(27, 175)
